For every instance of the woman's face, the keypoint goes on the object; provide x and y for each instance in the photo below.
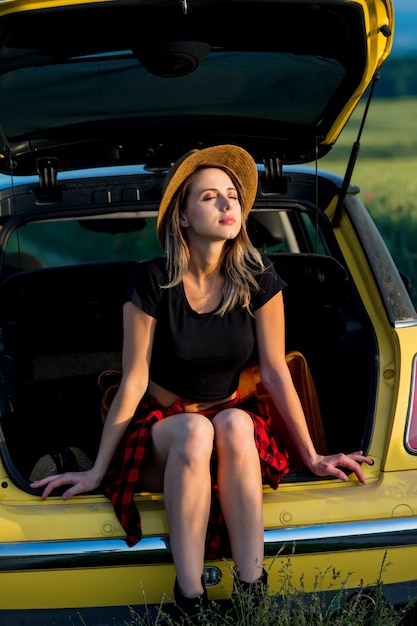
(212, 209)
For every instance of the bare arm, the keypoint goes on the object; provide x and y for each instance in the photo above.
(276, 378)
(138, 333)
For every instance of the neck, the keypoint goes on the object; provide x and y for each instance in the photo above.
(205, 263)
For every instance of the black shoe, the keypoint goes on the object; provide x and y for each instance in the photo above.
(256, 588)
(247, 598)
(190, 610)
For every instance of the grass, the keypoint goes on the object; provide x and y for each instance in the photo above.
(386, 171)
(292, 606)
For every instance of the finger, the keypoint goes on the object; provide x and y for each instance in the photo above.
(359, 456)
(74, 490)
(361, 459)
(354, 466)
(50, 488)
(47, 491)
(57, 481)
(337, 473)
(43, 481)
(359, 474)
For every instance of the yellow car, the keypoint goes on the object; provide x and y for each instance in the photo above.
(97, 99)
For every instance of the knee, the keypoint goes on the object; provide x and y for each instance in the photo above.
(194, 442)
(234, 430)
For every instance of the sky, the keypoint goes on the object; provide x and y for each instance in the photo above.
(406, 5)
(405, 34)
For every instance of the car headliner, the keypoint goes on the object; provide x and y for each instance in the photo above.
(114, 82)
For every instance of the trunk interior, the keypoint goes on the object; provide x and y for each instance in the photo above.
(62, 327)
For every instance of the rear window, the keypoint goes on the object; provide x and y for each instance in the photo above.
(61, 243)
(76, 242)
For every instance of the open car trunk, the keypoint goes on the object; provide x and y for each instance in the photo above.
(62, 322)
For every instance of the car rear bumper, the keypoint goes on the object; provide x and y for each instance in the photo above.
(329, 538)
(90, 576)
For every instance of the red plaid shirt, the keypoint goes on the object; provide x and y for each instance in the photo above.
(123, 476)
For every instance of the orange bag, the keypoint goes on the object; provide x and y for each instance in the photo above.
(250, 384)
(109, 382)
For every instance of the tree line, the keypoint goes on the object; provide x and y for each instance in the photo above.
(398, 78)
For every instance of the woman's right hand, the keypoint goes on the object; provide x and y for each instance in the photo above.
(81, 482)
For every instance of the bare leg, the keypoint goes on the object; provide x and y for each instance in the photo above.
(240, 490)
(183, 445)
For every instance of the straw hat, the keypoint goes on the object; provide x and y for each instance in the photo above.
(61, 460)
(235, 158)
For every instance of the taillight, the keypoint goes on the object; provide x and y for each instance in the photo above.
(411, 432)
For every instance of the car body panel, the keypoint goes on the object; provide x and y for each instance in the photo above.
(253, 88)
(309, 546)
(81, 197)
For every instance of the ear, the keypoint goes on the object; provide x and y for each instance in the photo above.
(183, 221)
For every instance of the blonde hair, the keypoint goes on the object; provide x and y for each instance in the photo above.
(240, 263)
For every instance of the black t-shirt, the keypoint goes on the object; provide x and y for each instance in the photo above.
(198, 356)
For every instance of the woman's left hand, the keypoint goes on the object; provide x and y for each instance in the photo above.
(330, 465)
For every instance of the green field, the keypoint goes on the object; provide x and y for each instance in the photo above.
(386, 172)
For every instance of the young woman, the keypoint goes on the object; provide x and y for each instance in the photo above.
(191, 322)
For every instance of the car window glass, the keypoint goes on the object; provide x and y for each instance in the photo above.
(73, 242)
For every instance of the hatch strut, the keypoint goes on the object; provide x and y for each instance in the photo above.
(352, 159)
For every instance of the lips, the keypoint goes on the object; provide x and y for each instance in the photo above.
(228, 221)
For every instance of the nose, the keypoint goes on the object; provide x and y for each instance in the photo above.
(225, 203)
